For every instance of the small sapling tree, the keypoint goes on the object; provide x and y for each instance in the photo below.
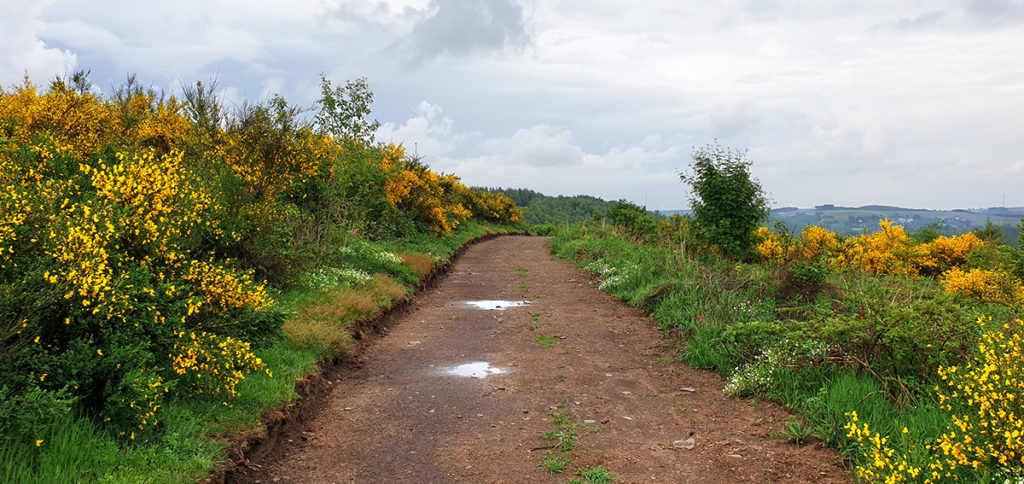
(344, 111)
(728, 203)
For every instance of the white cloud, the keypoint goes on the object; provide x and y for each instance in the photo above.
(23, 51)
(425, 133)
(877, 102)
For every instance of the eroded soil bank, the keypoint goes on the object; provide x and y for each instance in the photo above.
(458, 392)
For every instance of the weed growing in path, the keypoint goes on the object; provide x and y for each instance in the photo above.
(545, 340)
(798, 432)
(566, 439)
(522, 271)
(593, 475)
(554, 463)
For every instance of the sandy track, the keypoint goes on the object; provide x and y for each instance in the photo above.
(402, 418)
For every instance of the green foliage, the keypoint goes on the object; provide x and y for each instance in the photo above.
(634, 220)
(563, 210)
(810, 272)
(797, 432)
(728, 203)
(343, 111)
(554, 463)
(26, 415)
(545, 340)
(990, 232)
(594, 475)
(565, 439)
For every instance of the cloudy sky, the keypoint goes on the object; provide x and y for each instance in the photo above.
(911, 103)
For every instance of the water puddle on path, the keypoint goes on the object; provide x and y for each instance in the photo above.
(476, 369)
(496, 305)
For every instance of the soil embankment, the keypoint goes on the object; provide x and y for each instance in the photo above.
(407, 415)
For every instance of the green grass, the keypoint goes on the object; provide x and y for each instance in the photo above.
(194, 432)
(545, 340)
(593, 475)
(554, 463)
(565, 439)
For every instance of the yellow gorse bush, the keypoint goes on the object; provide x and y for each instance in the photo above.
(213, 364)
(983, 400)
(100, 205)
(985, 433)
(135, 232)
(62, 122)
(430, 196)
(883, 462)
(944, 252)
(984, 284)
(888, 251)
(773, 246)
(222, 289)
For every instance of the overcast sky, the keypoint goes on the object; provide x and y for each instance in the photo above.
(918, 104)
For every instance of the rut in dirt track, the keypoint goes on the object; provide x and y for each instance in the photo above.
(403, 418)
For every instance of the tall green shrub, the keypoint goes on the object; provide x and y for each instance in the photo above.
(728, 203)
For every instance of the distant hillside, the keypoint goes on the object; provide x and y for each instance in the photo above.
(855, 220)
(543, 209)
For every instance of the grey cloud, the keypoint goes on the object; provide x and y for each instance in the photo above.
(460, 27)
(925, 20)
(997, 11)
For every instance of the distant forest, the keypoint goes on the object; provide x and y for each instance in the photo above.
(543, 209)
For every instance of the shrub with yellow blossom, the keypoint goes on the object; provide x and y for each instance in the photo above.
(888, 251)
(985, 432)
(212, 364)
(103, 227)
(989, 285)
(426, 194)
(137, 233)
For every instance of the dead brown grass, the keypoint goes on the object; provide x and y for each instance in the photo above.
(421, 264)
(323, 326)
(385, 290)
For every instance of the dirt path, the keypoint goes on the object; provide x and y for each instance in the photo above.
(402, 418)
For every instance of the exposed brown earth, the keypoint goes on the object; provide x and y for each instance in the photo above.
(402, 418)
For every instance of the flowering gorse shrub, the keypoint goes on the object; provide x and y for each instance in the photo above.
(984, 284)
(883, 461)
(212, 364)
(888, 251)
(985, 432)
(138, 233)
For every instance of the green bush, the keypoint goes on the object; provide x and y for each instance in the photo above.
(728, 203)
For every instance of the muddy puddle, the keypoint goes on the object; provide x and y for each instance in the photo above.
(496, 305)
(476, 369)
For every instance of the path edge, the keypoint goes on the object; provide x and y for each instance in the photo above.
(250, 451)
